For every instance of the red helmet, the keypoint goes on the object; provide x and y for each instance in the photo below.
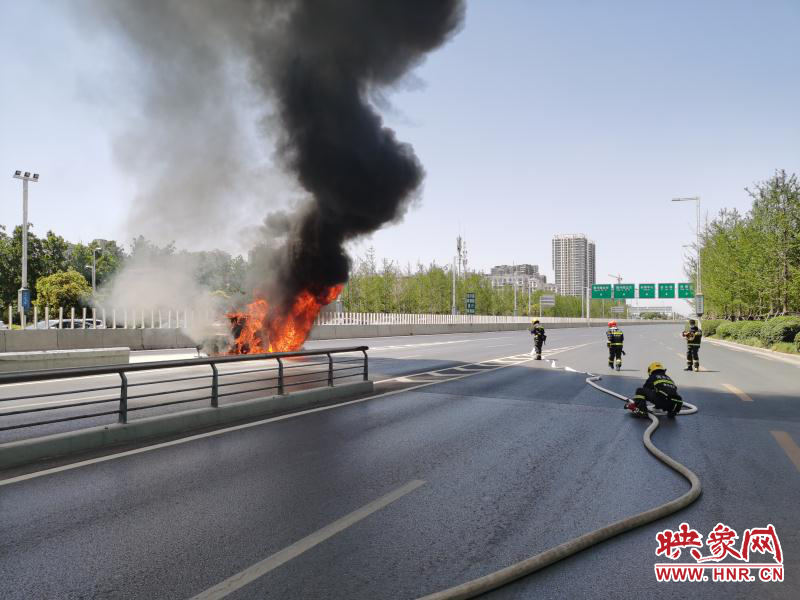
(612, 323)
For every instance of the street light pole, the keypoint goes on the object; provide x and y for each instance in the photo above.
(696, 199)
(94, 269)
(23, 295)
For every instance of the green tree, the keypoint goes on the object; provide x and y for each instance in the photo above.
(64, 289)
(776, 215)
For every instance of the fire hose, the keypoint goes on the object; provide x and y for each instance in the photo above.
(535, 563)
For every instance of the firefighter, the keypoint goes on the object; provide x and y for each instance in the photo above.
(693, 338)
(615, 340)
(537, 331)
(659, 390)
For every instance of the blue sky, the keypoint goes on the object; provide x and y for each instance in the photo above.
(538, 118)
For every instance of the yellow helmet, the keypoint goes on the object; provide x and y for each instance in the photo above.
(655, 366)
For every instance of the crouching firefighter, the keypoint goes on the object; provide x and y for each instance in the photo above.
(615, 340)
(659, 390)
(537, 331)
(693, 338)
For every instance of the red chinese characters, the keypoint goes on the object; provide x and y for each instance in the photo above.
(670, 543)
(764, 540)
(721, 541)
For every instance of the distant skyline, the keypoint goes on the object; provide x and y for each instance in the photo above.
(536, 119)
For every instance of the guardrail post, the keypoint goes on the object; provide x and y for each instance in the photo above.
(330, 369)
(366, 366)
(280, 377)
(123, 398)
(214, 386)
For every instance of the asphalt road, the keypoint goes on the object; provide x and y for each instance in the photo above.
(408, 493)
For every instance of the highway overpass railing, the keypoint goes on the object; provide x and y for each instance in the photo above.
(352, 318)
(140, 386)
(102, 318)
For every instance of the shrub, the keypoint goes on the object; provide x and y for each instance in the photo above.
(797, 341)
(780, 329)
(726, 329)
(710, 326)
(789, 348)
(749, 329)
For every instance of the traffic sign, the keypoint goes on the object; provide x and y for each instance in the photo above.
(601, 290)
(624, 290)
(666, 290)
(24, 299)
(685, 290)
(647, 290)
(617, 309)
(699, 303)
(470, 303)
(547, 300)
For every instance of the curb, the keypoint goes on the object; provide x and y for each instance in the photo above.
(765, 352)
(15, 454)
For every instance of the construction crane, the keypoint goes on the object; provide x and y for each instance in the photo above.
(618, 277)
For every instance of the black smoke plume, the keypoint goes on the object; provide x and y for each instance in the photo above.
(317, 64)
(332, 54)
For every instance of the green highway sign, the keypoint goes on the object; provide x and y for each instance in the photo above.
(601, 290)
(647, 290)
(685, 290)
(470, 303)
(624, 290)
(666, 290)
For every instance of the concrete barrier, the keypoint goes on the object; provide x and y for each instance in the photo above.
(75, 339)
(330, 332)
(23, 341)
(12, 362)
(15, 454)
(156, 339)
(132, 338)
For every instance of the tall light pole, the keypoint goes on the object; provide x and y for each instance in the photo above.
(93, 267)
(696, 199)
(23, 295)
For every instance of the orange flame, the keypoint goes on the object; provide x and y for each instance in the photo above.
(259, 329)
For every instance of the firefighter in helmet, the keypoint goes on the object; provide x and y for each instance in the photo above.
(659, 390)
(693, 338)
(615, 340)
(537, 331)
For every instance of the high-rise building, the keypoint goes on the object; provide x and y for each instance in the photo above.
(524, 276)
(573, 263)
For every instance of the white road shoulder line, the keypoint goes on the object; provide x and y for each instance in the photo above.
(270, 563)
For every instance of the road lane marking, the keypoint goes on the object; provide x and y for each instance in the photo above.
(263, 567)
(786, 442)
(735, 390)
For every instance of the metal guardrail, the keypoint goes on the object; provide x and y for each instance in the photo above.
(290, 369)
(353, 318)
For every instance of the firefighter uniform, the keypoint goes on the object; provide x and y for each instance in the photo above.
(693, 338)
(537, 331)
(615, 340)
(660, 390)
